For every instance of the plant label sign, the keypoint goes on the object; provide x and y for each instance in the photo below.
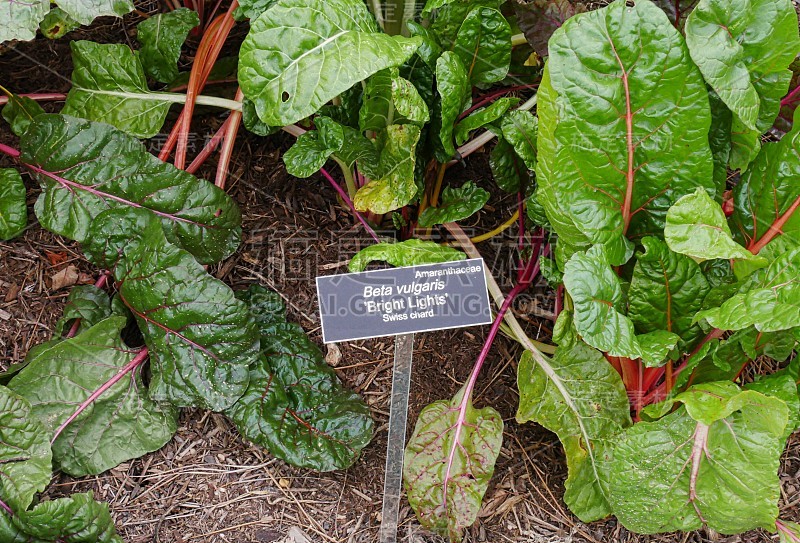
(403, 300)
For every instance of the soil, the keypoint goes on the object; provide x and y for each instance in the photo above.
(207, 484)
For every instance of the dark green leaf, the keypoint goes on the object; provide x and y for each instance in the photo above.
(538, 19)
(109, 85)
(717, 470)
(25, 457)
(395, 184)
(666, 290)
(452, 14)
(580, 397)
(452, 82)
(253, 123)
(56, 24)
(449, 461)
(86, 168)
(13, 211)
(86, 303)
(295, 405)
(481, 117)
(508, 169)
(677, 10)
(619, 107)
(161, 37)
(696, 227)
(457, 204)
(19, 113)
(311, 150)
(483, 44)
(405, 253)
(78, 519)
(298, 57)
(429, 49)
(719, 139)
(519, 129)
(121, 424)
(201, 339)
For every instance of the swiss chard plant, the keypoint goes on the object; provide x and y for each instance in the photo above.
(647, 196)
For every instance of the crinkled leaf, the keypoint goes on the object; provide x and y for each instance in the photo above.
(252, 9)
(745, 145)
(483, 44)
(457, 204)
(253, 123)
(429, 49)
(449, 461)
(677, 10)
(452, 82)
(56, 24)
(19, 113)
(744, 48)
(85, 11)
(538, 19)
(769, 299)
(395, 185)
(619, 107)
(201, 339)
(377, 106)
(509, 170)
(666, 290)
(358, 149)
(408, 102)
(789, 532)
(121, 424)
(78, 518)
(769, 192)
(25, 457)
(297, 57)
(450, 16)
(519, 129)
(550, 272)
(481, 117)
(719, 139)
(13, 211)
(21, 19)
(85, 168)
(109, 85)
(161, 37)
(311, 150)
(600, 319)
(781, 385)
(411, 252)
(86, 303)
(578, 395)
(696, 227)
(295, 405)
(680, 474)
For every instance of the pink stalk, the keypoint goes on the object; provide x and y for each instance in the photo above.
(786, 531)
(10, 151)
(791, 97)
(137, 361)
(41, 97)
(100, 283)
(349, 203)
(225, 154)
(6, 508)
(492, 96)
(210, 147)
(530, 272)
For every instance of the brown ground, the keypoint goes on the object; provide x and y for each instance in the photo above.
(207, 485)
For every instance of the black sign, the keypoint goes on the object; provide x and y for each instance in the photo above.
(403, 300)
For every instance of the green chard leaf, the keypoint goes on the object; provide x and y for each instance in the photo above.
(19, 113)
(311, 150)
(509, 169)
(109, 85)
(768, 194)
(481, 117)
(201, 339)
(744, 49)
(452, 82)
(429, 49)
(781, 385)
(85, 11)
(251, 121)
(121, 424)
(538, 19)
(483, 44)
(405, 253)
(719, 139)
(21, 19)
(457, 204)
(449, 461)
(87, 304)
(600, 318)
(696, 227)
(13, 211)
(295, 405)
(769, 299)
(666, 291)
(56, 24)
(450, 16)
(394, 185)
(161, 37)
(25, 457)
(377, 105)
(519, 130)
(77, 518)
(252, 9)
(677, 10)
(578, 395)
(617, 111)
(86, 167)
(407, 101)
(297, 57)
(713, 462)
